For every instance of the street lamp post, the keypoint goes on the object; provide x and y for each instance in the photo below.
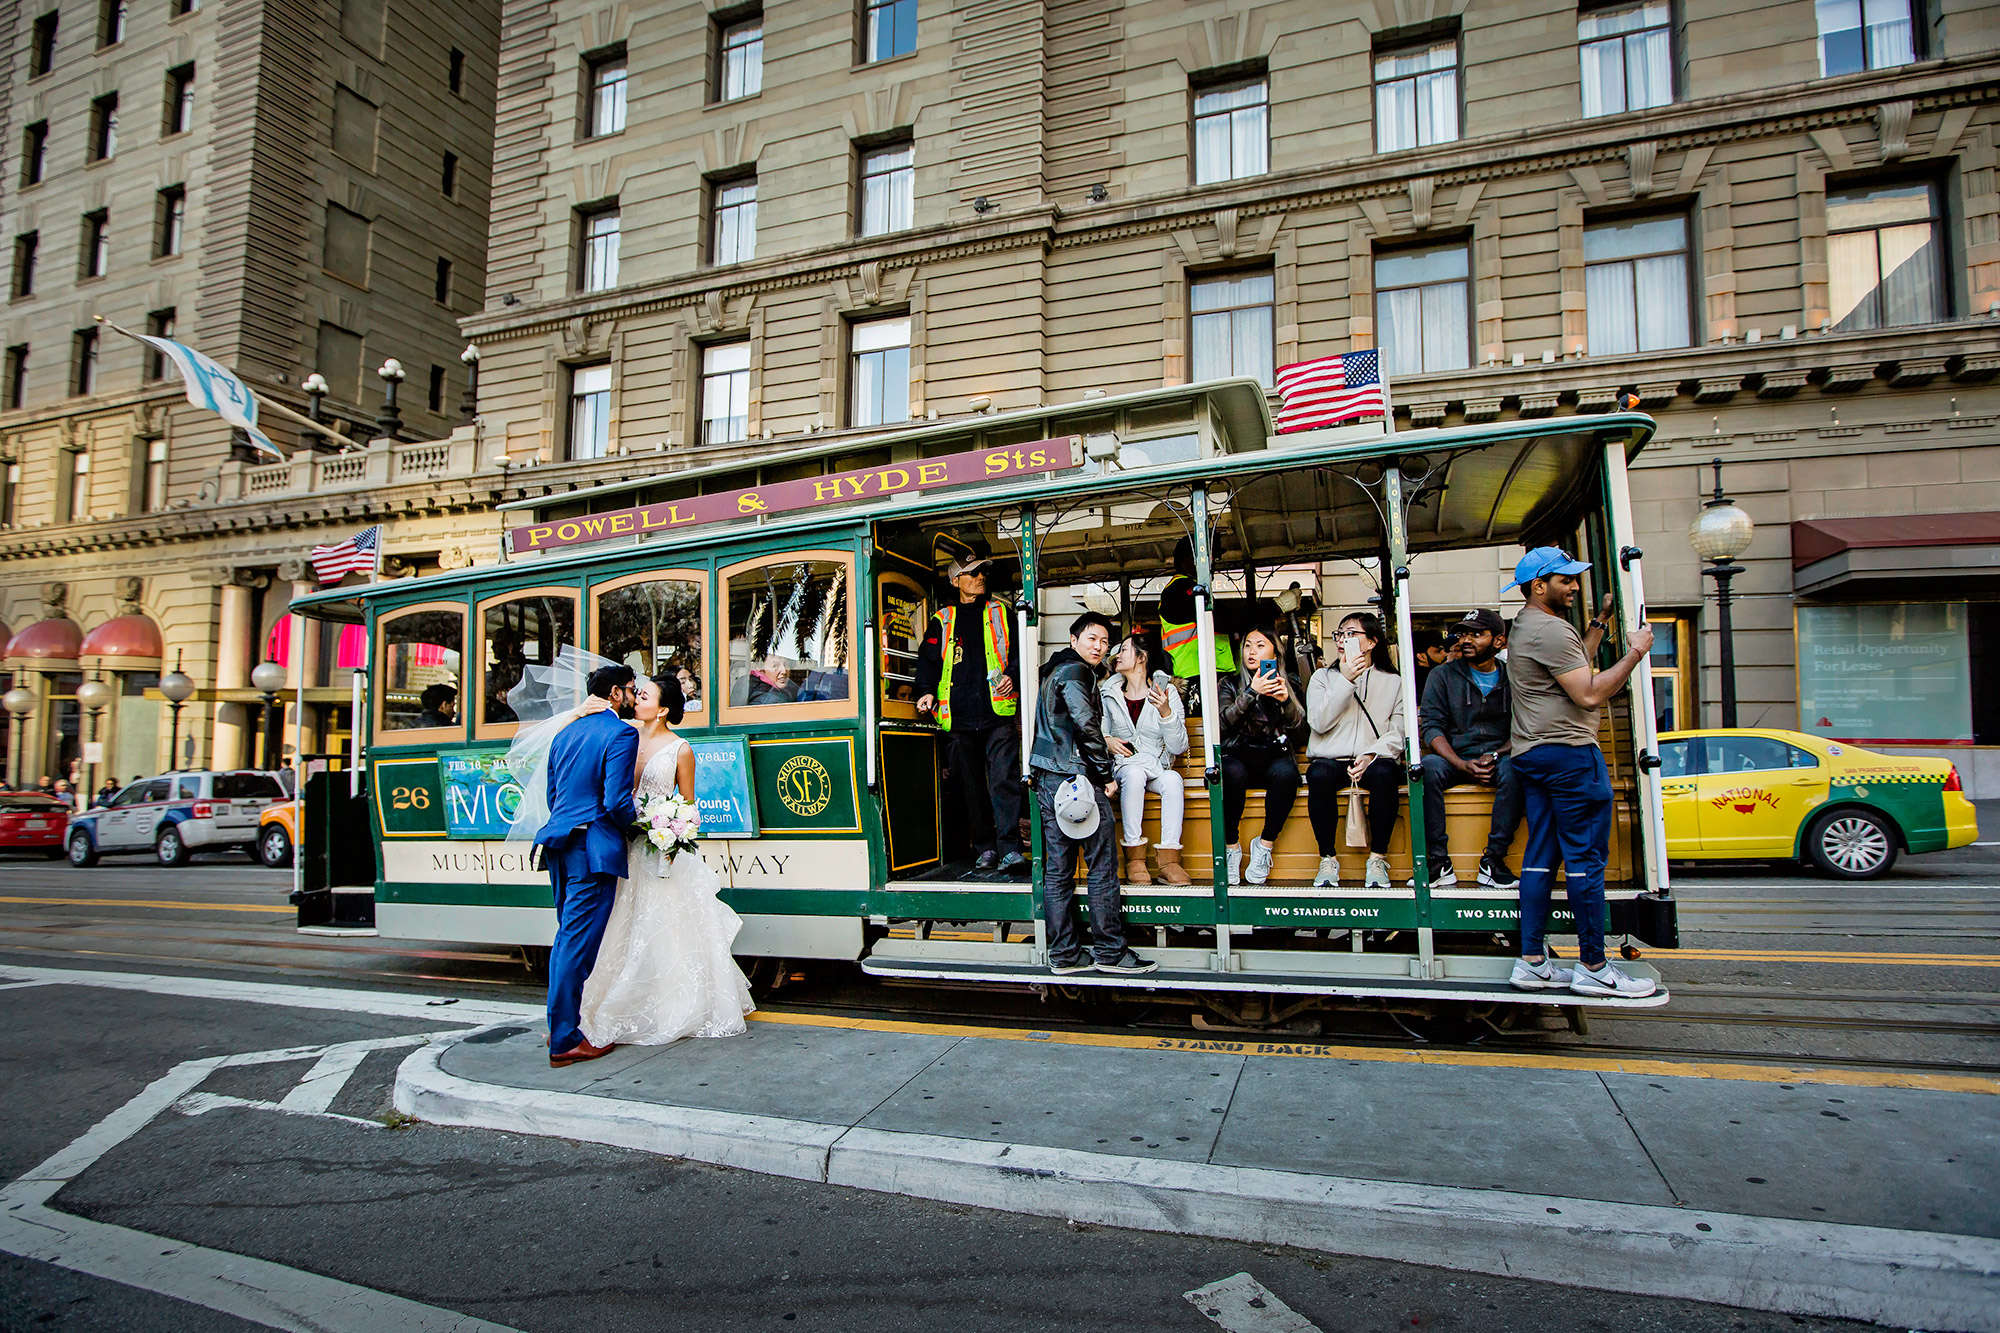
(92, 696)
(390, 423)
(177, 688)
(267, 678)
(20, 702)
(1719, 534)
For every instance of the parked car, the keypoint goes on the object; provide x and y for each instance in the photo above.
(175, 815)
(32, 822)
(278, 834)
(1737, 794)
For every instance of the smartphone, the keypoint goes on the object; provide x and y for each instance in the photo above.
(1268, 667)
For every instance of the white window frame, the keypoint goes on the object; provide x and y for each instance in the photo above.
(1240, 126)
(725, 393)
(1218, 308)
(1837, 235)
(733, 220)
(1622, 272)
(1598, 39)
(1429, 292)
(1906, 13)
(589, 428)
(888, 188)
(872, 363)
(604, 96)
(597, 269)
(870, 10)
(739, 70)
(1422, 84)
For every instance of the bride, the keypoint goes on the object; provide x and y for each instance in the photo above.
(664, 970)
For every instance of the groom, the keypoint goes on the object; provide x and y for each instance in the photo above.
(583, 844)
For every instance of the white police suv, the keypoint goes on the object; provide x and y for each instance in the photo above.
(175, 815)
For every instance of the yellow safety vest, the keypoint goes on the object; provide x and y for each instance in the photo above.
(1006, 699)
(1183, 645)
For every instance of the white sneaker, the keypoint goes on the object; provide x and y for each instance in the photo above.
(1444, 878)
(1233, 863)
(1544, 975)
(1329, 873)
(1260, 861)
(1378, 873)
(1608, 980)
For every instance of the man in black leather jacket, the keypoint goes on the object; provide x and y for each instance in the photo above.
(1069, 748)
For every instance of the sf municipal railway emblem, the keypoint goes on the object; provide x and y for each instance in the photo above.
(804, 785)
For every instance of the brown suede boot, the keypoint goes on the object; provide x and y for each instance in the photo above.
(1135, 865)
(1170, 866)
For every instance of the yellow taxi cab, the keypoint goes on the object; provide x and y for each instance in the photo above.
(1746, 794)
(278, 833)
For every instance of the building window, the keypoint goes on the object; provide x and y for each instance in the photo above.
(42, 54)
(83, 362)
(349, 240)
(1233, 323)
(1884, 256)
(27, 247)
(1422, 317)
(9, 493)
(16, 387)
(1917, 688)
(339, 359)
(739, 58)
(589, 412)
(110, 22)
(791, 628)
(356, 121)
(1232, 131)
(153, 482)
(1856, 35)
(1627, 56)
(888, 188)
(436, 398)
(725, 392)
(455, 75)
(1416, 96)
(1635, 285)
(880, 372)
(79, 485)
(443, 289)
(889, 28)
(365, 23)
(170, 221)
(159, 324)
(604, 105)
(733, 225)
(448, 178)
(598, 249)
(96, 244)
(104, 127)
(34, 152)
(180, 99)
(185, 7)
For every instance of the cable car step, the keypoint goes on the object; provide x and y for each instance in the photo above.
(1490, 989)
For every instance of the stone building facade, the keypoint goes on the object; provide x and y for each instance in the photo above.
(290, 186)
(721, 233)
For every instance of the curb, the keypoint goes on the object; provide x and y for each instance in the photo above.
(1912, 1279)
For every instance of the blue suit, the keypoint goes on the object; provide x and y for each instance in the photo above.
(583, 845)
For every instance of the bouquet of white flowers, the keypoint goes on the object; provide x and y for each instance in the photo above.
(670, 823)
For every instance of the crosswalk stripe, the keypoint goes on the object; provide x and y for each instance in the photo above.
(1242, 1304)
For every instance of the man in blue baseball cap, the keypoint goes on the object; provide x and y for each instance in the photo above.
(1565, 787)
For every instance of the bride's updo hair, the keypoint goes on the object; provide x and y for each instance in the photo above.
(673, 703)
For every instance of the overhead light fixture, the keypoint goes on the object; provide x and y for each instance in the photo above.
(983, 205)
(979, 404)
(1098, 194)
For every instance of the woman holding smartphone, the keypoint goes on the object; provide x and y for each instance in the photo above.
(1352, 705)
(1259, 706)
(1147, 733)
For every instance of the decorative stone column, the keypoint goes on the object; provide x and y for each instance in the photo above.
(235, 646)
(303, 668)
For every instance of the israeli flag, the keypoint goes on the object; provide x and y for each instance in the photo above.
(217, 388)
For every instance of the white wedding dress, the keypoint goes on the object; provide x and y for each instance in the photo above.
(664, 970)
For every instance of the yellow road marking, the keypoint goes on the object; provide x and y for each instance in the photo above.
(153, 902)
(1847, 1078)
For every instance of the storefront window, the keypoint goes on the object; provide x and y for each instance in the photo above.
(422, 671)
(788, 633)
(1886, 673)
(526, 630)
(654, 626)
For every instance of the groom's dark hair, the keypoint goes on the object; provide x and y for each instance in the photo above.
(608, 678)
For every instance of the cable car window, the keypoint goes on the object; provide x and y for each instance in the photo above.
(422, 672)
(1745, 754)
(788, 633)
(904, 611)
(1674, 759)
(653, 624)
(526, 630)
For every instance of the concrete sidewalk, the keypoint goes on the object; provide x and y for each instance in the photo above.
(1860, 1195)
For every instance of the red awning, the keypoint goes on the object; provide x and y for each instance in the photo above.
(1816, 539)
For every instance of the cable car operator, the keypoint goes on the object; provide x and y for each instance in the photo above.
(971, 646)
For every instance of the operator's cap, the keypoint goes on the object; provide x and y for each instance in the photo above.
(1481, 619)
(1542, 562)
(1076, 808)
(960, 568)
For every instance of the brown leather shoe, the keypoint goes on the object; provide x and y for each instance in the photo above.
(583, 1050)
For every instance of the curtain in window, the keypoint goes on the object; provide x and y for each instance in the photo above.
(1395, 116)
(1445, 335)
(1890, 37)
(1437, 107)
(1249, 142)
(1662, 302)
(1211, 347)
(1400, 330)
(1909, 268)
(1251, 333)
(1211, 149)
(1610, 313)
(1603, 78)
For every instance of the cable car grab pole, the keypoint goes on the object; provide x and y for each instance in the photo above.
(1211, 720)
(1397, 581)
(1645, 722)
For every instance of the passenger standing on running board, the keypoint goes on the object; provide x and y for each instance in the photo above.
(1564, 783)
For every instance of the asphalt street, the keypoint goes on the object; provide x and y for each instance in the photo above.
(538, 1233)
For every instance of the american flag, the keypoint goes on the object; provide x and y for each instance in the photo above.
(354, 555)
(1331, 389)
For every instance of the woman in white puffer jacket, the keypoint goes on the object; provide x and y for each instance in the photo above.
(1147, 733)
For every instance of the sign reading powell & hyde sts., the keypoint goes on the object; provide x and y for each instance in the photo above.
(1052, 455)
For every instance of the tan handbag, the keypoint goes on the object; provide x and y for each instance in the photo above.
(1357, 819)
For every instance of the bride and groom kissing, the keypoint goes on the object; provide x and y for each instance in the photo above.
(641, 952)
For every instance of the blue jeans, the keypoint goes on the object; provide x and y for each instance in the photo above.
(1439, 776)
(1100, 862)
(1567, 792)
(583, 905)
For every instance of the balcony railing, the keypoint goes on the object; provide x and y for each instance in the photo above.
(383, 462)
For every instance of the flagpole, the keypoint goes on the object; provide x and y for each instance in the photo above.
(1388, 405)
(296, 418)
